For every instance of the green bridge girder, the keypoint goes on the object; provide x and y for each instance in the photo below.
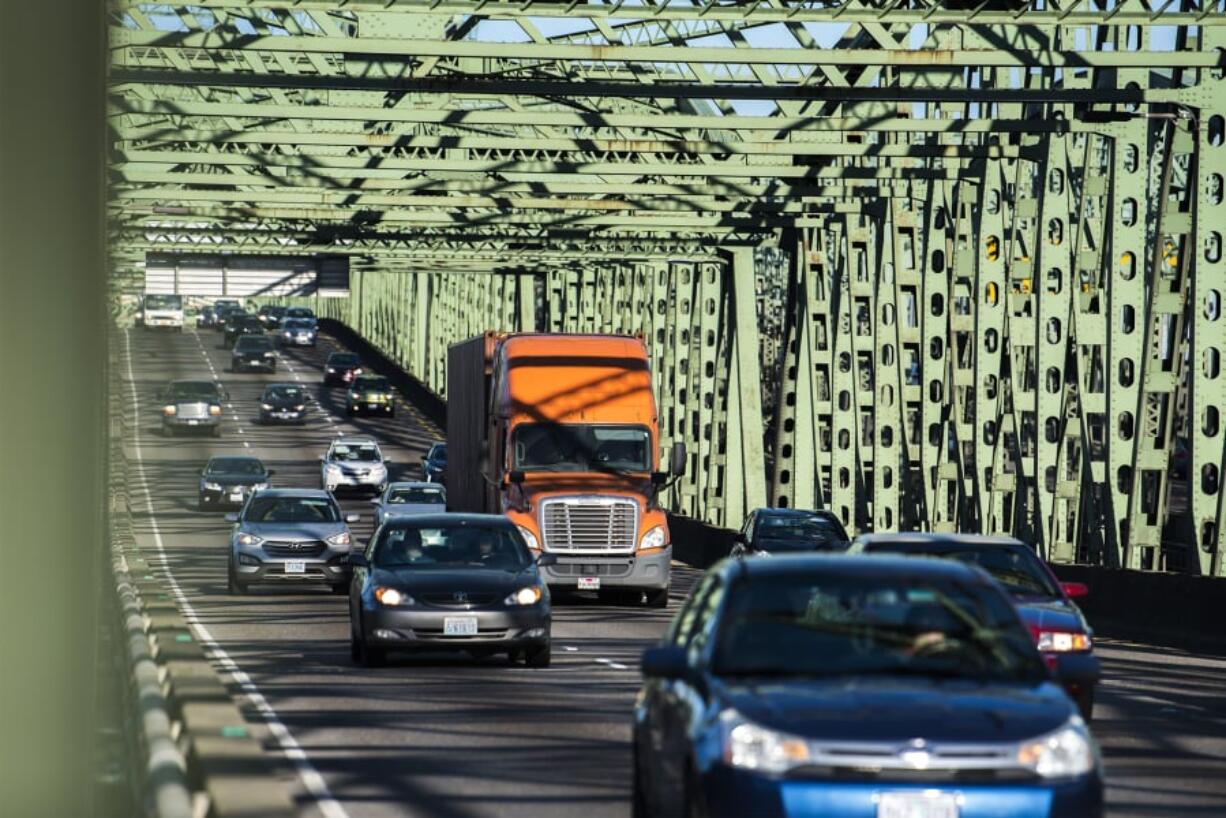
(957, 266)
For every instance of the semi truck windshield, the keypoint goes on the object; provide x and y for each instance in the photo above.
(581, 447)
(163, 302)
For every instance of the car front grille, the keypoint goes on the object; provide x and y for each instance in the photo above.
(448, 600)
(578, 524)
(292, 550)
(437, 633)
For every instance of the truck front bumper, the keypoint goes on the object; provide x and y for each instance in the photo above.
(649, 571)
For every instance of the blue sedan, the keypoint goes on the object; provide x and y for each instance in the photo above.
(856, 687)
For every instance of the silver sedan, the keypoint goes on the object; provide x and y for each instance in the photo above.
(400, 500)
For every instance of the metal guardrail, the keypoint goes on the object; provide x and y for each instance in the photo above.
(191, 752)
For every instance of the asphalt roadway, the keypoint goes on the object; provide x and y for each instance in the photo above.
(455, 737)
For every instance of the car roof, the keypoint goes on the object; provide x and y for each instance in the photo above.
(217, 457)
(342, 355)
(282, 384)
(793, 512)
(192, 381)
(355, 440)
(936, 538)
(451, 518)
(856, 565)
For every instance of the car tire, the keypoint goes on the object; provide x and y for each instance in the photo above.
(340, 588)
(1085, 704)
(695, 805)
(370, 656)
(657, 597)
(202, 504)
(233, 585)
(538, 657)
(216, 431)
(638, 798)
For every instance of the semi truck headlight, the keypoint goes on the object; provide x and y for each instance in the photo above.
(529, 538)
(653, 538)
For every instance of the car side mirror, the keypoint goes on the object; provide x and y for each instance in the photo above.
(515, 476)
(739, 537)
(270, 473)
(1075, 590)
(666, 662)
(374, 501)
(358, 560)
(546, 560)
(352, 518)
(232, 517)
(677, 459)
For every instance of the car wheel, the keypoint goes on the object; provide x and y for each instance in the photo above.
(216, 432)
(234, 586)
(514, 656)
(202, 504)
(340, 588)
(370, 656)
(638, 797)
(658, 598)
(695, 804)
(539, 657)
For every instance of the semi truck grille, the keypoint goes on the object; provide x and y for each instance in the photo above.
(589, 524)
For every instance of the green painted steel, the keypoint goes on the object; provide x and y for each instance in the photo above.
(933, 267)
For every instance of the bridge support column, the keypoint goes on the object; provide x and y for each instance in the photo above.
(745, 469)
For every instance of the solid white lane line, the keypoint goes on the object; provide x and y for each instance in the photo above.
(311, 779)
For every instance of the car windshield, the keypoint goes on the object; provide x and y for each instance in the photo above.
(794, 532)
(192, 390)
(299, 312)
(438, 452)
(297, 323)
(1014, 567)
(284, 393)
(416, 494)
(253, 343)
(345, 452)
(809, 624)
(224, 303)
(235, 465)
(343, 360)
(163, 302)
(371, 385)
(467, 546)
(265, 509)
(581, 447)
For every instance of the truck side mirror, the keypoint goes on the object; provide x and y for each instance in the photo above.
(515, 476)
(676, 461)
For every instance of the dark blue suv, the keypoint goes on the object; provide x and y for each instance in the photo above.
(856, 687)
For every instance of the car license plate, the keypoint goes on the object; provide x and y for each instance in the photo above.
(589, 583)
(295, 567)
(372, 406)
(917, 805)
(236, 496)
(192, 422)
(459, 626)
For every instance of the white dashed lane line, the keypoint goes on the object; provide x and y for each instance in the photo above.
(612, 664)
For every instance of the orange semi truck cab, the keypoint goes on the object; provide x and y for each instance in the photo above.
(560, 433)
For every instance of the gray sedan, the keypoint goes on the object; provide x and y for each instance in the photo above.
(400, 500)
(290, 536)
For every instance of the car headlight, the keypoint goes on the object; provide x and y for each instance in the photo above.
(393, 598)
(212, 486)
(331, 370)
(529, 538)
(653, 538)
(524, 596)
(339, 539)
(249, 539)
(266, 407)
(215, 410)
(170, 410)
(753, 747)
(270, 354)
(1064, 753)
(300, 407)
(332, 468)
(259, 486)
(1063, 641)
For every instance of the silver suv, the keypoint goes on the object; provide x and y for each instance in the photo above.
(192, 405)
(290, 535)
(353, 462)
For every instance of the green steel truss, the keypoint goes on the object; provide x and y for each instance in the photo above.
(935, 265)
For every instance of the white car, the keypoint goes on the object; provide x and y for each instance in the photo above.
(353, 462)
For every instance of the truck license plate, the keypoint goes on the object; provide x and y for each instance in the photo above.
(589, 583)
(460, 626)
(917, 805)
(295, 567)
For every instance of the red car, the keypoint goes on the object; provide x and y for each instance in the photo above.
(1060, 630)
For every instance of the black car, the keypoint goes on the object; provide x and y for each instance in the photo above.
(242, 325)
(270, 315)
(341, 368)
(253, 352)
(770, 531)
(206, 318)
(229, 481)
(851, 686)
(283, 402)
(434, 467)
(226, 313)
(448, 582)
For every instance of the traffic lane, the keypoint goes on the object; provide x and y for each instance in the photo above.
(438, 735)
(1161, 720)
